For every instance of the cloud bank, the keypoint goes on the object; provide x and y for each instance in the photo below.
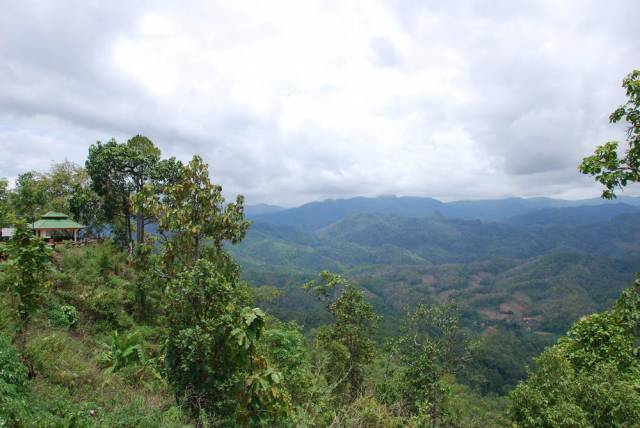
(292, 101)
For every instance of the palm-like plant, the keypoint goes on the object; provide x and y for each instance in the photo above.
(123, 351)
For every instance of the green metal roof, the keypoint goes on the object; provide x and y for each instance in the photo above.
(54, 220)
(54, 215)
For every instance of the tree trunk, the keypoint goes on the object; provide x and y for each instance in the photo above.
(434, 410)
(140, 228)
(129, 237)
(196, 253)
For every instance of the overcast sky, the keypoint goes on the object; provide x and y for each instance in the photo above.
(292, 101)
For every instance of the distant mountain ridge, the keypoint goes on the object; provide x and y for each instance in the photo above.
(257, 209)
(316, 215)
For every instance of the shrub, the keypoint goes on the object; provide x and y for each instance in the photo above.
(64, 316)
(8, 316)
(12, 370)
(367, 412)
(13, 383)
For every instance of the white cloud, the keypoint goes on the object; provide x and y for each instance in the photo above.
(297, 100)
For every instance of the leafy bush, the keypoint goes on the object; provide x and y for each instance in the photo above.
(286, 349)
(12, 370)
(367, 412)
(590, 377)
(64, 316)
(8, 316)
(13, 384)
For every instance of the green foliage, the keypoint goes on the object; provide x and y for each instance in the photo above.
(473, 410)
(367, 412)
(590, 377)
(432, 346)
(611, 170)
(13, 384)
(61, 183)
(120, 171)
(64, 316)
(123, 350)
(286, 349)
(7, 215)
(61, 359)
(498, 362)
(192, 211)
(210, 350)
(12, 370)
(26, 269)
(148, 282)
(29, 196)
(264, 399)
(85, 206)
(348, 341)
(96, 281)
(9, 319)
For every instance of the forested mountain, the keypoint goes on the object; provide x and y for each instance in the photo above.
(524, 279)
(319, 214)
(379, 239)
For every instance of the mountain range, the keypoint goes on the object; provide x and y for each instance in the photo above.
(521, 270)
(316, 215)
(487, 248)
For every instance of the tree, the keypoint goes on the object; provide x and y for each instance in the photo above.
(611, 170)
(120, 171)
(61, 182)
(26, 269)
(29, 197)
(590, 377)
(432, 346)
(211, 348)
(6, 213)
(85, 206)
(193, 219)
(106, 165)
(348, 340)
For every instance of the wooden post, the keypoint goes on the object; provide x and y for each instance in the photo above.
(75, 235)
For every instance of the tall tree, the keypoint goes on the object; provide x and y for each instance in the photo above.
(6, 212)
(61, 182)
(86, 207)
(611, 170)
(348, 340)
(432, 346)
(26, 269)
(106, 167)
(193, 217)
(120, 171)
(29, 196)
(211, 359)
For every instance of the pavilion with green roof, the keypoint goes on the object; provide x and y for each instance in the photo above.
(56, 226)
